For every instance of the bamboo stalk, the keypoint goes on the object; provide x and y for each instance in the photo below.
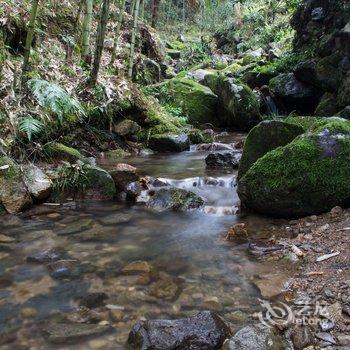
(29, 41)
(117, 30)
(133, 37)
(101, 33)
(86, 29)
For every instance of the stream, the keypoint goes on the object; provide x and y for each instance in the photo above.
(196, 268)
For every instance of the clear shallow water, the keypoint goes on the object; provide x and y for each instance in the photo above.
(186, 249)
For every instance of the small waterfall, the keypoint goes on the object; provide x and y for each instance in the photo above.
(270, 107)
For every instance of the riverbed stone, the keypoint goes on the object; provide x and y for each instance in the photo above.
(123, 175)
(38, 183)
(61, 269)
(227, 160)
(46, 256)
(265, 137)
(169, 143)
(175, 199)
(14, 195)
(308, 176)
(257, 337)
(62, 333)
(205, 331)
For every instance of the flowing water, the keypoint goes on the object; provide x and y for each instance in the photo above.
(196, 268)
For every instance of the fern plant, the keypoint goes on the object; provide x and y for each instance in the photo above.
(30, 126)
(55, 99)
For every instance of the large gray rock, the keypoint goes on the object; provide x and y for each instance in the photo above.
(295, 95)
(255, 337)
(265, 137)
(38, 183)
(205, 331)
(14, 195)
(175, 199)
(169, 143)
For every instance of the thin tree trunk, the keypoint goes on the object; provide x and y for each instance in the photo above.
(101, 33)
(77, 17)
(29, 40)
(133, 37)
(155, 12)
(87, 29)
(3, 54)
(142, 10)
(183, 15)
(117, 30)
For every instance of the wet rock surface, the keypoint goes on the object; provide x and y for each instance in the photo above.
(61, 333)
(257, 337)
(206, 330)
(228, 160)
(175, 199)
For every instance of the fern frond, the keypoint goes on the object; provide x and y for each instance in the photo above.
(55, 99)
(30, 127)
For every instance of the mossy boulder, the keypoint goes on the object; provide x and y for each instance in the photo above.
(169, 143)
(308, 176)
(239, 106)
(197, 136)
(175, 199)
(126, 128)
(264, 138)
(328, 105)
(60, 151)
(196, 100)
(147, 72)
(14, 195)
(100, 185)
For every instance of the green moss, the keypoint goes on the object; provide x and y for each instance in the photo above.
(305, 122)
(328, 106)
(308, 176)
(11, 172)
(197, 101)
(197, 136)
(61, 151)
(265, 137)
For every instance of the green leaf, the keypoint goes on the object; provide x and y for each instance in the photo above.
(30, 126)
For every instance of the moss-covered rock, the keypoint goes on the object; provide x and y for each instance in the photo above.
(14, 195)
(197, 101)
(169, 143)
(265, 137)
(100, 185)
(308, 176)
(328, 105)
(239, 106)
(147, 72)
(197, 136)
(175, 199)
(60, 151)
